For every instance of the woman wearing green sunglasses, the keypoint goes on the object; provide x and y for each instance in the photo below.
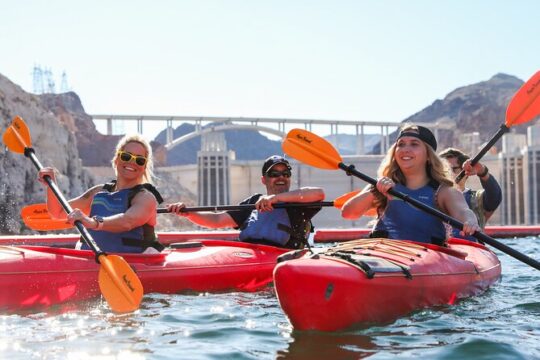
(120, 215)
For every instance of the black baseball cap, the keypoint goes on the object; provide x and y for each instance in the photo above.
(274, 160)
(423, 134)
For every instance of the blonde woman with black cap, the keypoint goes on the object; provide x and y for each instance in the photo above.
(412, 167)
(281, 227)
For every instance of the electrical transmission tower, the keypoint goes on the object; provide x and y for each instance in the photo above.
(37, 75)
(43, 81)
(48, 74)
(64, 88)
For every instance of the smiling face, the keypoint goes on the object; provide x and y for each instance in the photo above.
(276, 185)
(411, 154)
(130, 170)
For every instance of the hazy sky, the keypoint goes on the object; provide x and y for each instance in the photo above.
(379, 60)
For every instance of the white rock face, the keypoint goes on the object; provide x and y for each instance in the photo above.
(54, 146)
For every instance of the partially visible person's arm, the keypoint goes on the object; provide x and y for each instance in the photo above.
(492, 196)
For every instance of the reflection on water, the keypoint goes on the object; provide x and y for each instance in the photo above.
(317, 345)
(502, 323)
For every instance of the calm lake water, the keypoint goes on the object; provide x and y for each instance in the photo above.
(503, 323)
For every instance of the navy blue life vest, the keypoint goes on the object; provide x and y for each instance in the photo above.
(297, 224)
(108, 202)
(271, 226)
(401, 220)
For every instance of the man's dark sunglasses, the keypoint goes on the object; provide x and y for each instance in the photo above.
(275, 173)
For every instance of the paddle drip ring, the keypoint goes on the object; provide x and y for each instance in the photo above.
(350, 170)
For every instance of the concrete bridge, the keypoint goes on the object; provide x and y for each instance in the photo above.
(274, 126)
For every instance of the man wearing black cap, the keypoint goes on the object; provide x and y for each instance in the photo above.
(284, 227)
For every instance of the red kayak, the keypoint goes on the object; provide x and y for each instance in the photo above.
(379, 280)
(41, 276)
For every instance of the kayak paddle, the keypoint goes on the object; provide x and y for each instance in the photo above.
(315, 151)
(524, 106)
(37, 217)
(118, 282)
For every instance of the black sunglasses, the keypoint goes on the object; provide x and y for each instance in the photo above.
(275, 173)
(127, 156)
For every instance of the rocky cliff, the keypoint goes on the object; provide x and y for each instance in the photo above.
(96, 149)
(479, 107)
(65, 137)
(55, 145)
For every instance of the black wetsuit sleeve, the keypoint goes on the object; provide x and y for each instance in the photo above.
(492, 196)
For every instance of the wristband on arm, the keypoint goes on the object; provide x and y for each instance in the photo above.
(484, 173)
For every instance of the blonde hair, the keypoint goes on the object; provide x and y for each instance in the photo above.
(148, 175)
(436, 169)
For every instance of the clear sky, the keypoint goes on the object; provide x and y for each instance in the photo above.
(378, 60)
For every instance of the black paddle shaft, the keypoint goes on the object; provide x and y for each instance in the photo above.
(250, 206)
(87, 238)
(502, 130)
(442, 216)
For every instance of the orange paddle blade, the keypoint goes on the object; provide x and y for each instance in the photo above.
(119, 284)
(38, 211)
(311, 149)
(371, 212)
(37, 217)
(525, 105)
(46, 224)
(17, 136)
(338, 202)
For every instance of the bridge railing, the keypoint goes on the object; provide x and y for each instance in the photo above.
(272, 126)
